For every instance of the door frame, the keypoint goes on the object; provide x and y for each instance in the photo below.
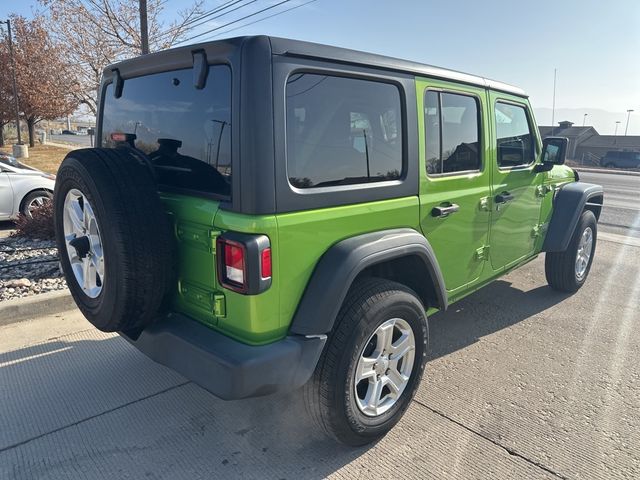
(423, 85)
(494, 97)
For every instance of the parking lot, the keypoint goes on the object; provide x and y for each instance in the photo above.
(522, 383)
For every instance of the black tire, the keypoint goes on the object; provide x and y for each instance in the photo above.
(560, 267)
(30, 197)
(330, 395)
(135, 234)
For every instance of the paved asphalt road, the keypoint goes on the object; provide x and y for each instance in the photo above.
(83, 140)
(621, 214)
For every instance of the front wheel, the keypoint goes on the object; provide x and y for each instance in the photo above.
(372, 364)
(567, 271)
(33, 201)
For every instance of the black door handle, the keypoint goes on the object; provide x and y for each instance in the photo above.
(504, 197)
(444, 211)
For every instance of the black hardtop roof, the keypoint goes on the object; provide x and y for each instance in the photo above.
(299, 48)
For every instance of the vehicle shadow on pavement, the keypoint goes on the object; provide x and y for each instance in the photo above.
(493, 308)
(90, 402)
(95, 404)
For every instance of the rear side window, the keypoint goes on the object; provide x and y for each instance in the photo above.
(185, 131)
(515, 142)
(452, 132)
(342, 131)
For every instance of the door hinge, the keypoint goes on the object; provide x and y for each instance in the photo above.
(482, 253)
(219, 305)
(535, 231)
(213, 236)
(542, 190)
(538, 229)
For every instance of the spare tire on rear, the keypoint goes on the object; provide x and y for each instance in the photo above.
(114, 237)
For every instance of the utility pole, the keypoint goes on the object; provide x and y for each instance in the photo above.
(15, 88)
(627, 127)
(553, 107)
(584, 118)
(144, 28)
(616, 130)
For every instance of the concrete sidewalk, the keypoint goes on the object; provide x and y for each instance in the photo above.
(522, 383)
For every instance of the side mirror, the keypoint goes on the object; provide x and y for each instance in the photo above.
(554, 151)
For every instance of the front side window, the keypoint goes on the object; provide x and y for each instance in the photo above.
(342, 131)
(184, 130)
(515, 142)
(452, 132)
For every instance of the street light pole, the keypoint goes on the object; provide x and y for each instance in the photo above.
(584, 118)
(627, 126)
(616, 131)
(553, 106)
(144, 28)
(16, 105)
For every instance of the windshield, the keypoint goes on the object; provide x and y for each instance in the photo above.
(185, 131)
(13, 162)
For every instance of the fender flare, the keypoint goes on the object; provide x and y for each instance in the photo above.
(568, 204)
(338, 267)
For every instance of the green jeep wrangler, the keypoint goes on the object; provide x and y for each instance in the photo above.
(263, 214)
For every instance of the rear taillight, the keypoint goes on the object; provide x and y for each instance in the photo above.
(244, 262)
(234, 262)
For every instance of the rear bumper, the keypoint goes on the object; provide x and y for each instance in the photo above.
(225, 367)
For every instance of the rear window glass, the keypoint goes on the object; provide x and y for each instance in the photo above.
(342, 131)
(185, 131)
(452, 132)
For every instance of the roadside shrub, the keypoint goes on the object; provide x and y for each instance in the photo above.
(40, 226)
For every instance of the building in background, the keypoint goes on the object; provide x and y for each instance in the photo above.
(586, 145)
(576, 135)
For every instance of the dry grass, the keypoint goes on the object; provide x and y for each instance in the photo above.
(43, 157)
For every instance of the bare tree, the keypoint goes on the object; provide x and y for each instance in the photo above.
(6, 91)
(95, 33)
(45, 89)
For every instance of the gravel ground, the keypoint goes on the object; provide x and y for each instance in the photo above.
(28, 267)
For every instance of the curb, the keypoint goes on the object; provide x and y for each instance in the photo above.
(38, 305)
(607, 170)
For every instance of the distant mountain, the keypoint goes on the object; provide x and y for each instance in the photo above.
(603, 121)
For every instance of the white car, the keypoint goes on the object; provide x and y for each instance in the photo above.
(22, 188)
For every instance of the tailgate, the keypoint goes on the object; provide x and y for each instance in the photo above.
(197, 293)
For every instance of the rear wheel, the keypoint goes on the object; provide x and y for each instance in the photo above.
(372, 364)
(113, 237)
(567, 271)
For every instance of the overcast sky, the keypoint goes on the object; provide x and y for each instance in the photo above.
(594, 44)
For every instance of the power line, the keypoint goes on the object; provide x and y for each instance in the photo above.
(263, 18)
(208, 14)
(236, 21)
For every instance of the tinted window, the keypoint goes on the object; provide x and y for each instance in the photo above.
(452, 132)
(515, 141)
(342, 131)
(185, 131)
